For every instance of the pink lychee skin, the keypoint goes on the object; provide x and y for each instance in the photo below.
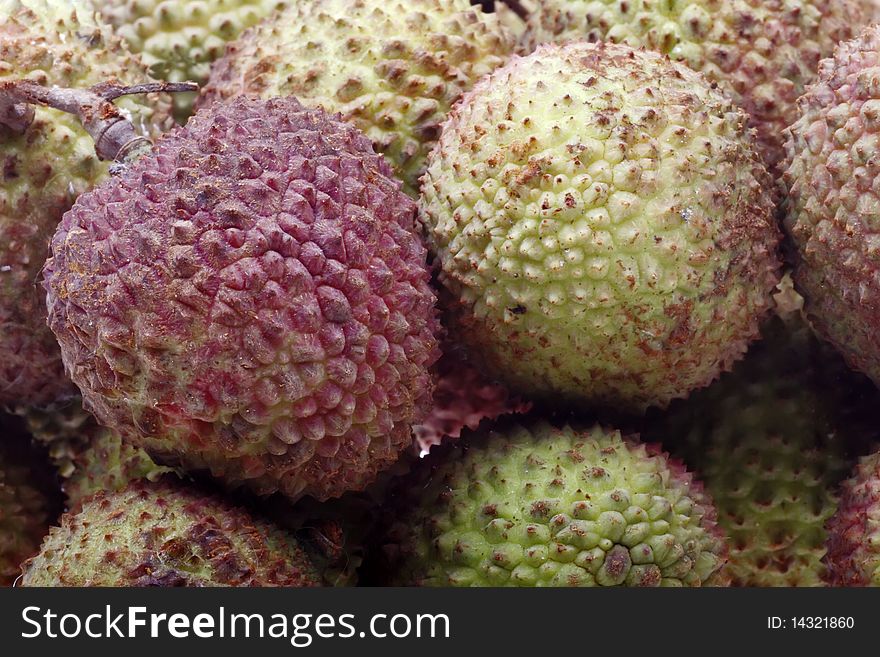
(463, 397)
(832, 200)
(853, 556)
(251, 299)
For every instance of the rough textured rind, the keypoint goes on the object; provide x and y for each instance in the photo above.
(108, 464)
(178, 39)
(766, 442)
(165, 534)
(463, 397)
(764, 52)
(392, 67)
(603, 225)
(43, 171)
(28, 502)
(88, 457)
(832, 211)
(251, 299)
(853, 557)
(535, 505)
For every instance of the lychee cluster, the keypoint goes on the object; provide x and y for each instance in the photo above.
(439, 293)
(763, 53)
(392, 67)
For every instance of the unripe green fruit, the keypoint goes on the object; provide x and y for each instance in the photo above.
(179, 39)
(603, 226)
(165, 534)
(533, 505)
(392, 67)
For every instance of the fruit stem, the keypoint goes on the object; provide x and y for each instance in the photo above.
(114, 135)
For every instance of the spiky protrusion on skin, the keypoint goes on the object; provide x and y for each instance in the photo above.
(43, 170)
(166, 534)
(108, 464)
(534, 505)
(766, 441)
(251, 299)
(178, 40)
(832, 210)
(763, 52)
(28, 502)
(392, 67)
(853, 557)
(603, 225)
(88, 457)
(463, 397)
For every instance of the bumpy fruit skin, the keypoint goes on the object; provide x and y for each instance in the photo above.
(463, 397)
(763, 52)
(765, 441)
(108, 464)
(392, 67)
(832, 210)
(165, 534)
(178, 39)
(603, 226)
(251, 299)
(27, 507)
(88, 457)
(853, 557)
(540, 506)
(44, 170)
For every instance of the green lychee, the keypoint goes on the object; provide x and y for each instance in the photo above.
(603, 226)
(166, 534)
(108, 464)
(767, 442)
(88, 457)
(762, 52)
(392, 67)
(178, 39)
(534, 505)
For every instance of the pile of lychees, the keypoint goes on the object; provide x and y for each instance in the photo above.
(432, 292)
